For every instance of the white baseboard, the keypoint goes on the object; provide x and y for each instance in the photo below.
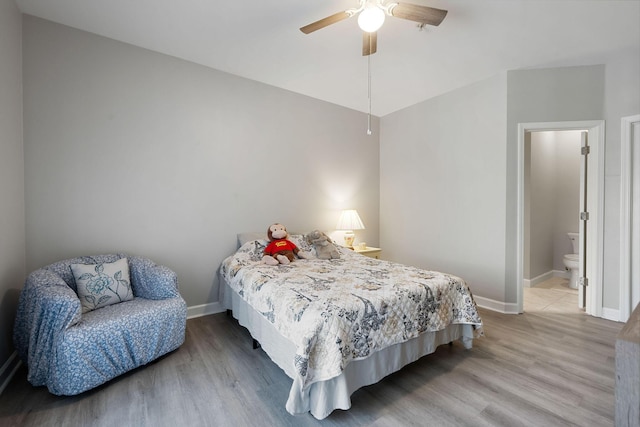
(565, 274)
(8, 370)
(204, 309)
(530, 283)
(499, 306)
(611, 314)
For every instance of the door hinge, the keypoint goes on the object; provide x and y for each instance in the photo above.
(584, 281)
(584, 216)
(585, 150)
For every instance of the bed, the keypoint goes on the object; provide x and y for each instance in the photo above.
(334, 326)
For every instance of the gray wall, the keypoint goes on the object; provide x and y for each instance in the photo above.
(542, 207)
(622, 99)
(449, 166)
(130, 150)
(567, 193)
(543, 95)
(442, 187)
(12, 226)
(610, 92)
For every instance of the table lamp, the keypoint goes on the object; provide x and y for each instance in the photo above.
(349, 221)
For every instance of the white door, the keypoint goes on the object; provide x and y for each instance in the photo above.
(584, 221)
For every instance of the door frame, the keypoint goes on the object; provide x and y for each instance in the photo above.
(626, 171)
(596, 216)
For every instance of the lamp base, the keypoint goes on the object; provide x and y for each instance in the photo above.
(348, 239)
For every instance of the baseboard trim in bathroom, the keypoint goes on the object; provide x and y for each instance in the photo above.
(530, 283)
(565, 274)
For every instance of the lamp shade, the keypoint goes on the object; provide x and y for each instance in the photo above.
(350, 220)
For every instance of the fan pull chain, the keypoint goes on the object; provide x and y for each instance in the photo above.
(369, 88)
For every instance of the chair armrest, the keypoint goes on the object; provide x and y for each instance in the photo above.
(152, 281)
(46, 308)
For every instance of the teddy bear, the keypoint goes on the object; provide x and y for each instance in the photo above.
(280, 250)
(325, 249)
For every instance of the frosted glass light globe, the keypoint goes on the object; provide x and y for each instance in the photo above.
(371, 19)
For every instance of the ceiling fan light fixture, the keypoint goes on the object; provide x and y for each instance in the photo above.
(371, 18)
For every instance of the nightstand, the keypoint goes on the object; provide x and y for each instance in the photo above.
(368, 251)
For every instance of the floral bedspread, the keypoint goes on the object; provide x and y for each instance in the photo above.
(340, 310)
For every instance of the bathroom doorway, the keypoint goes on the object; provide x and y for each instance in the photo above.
(551, 205)
(552, 196)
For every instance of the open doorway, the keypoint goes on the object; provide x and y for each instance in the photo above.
(591, 213)
(552, 202)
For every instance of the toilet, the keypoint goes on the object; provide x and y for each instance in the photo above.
(572, 261)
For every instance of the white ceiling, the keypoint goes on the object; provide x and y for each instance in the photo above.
(261, 40)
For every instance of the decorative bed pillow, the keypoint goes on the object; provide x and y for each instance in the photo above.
(102, 284)
(249, 236)
(303, 245)
(257, 235)
(254, 249)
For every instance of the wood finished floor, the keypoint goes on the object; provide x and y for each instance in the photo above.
(537, 369)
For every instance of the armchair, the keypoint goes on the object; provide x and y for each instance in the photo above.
(70, 351)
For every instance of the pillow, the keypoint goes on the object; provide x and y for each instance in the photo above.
(247, 237)
(256, 235)
(100, 285)
(302, 244)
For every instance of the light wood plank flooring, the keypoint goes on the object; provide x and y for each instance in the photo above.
(537, 369)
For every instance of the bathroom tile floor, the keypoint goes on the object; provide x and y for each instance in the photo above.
(553, 295)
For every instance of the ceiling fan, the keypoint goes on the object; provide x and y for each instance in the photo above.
(371, 15)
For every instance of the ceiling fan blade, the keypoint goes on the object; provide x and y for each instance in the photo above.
(314, 26)
(369, 43)
(422, 14)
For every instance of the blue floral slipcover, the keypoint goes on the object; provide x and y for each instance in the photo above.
(70, 351)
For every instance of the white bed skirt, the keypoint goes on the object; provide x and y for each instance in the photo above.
(322, 397)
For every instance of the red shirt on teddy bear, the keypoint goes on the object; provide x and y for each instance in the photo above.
(279, 245)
